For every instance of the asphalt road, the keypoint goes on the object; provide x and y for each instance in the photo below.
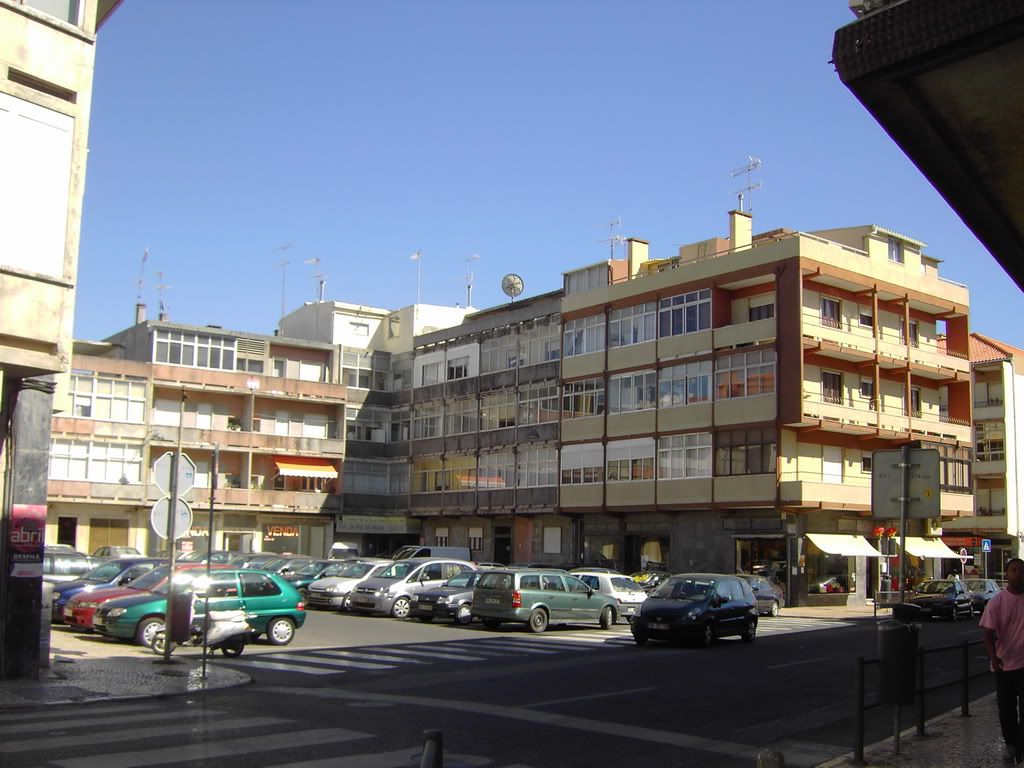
(359, 692)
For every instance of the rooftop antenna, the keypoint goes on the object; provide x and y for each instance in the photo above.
(160, 287)
(616, 238)
(417, 256)
(140, 308)
(469, 279)
(318, 276)
(753, 163)
(282, 265)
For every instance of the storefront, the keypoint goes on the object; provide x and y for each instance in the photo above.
(377, 535)
(834, 566)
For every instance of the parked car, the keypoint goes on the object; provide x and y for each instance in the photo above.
(252, 559)
(109, 553)
(272, 606)
(770, 596)
(982, 590)
(334, 587)
(537, 598)
(416, 550)
(62, 563)
(286, 565)
(216, 557)
(627, 594)
(452, 600)
(700, 606)
(113, 573)
(301, 578)
(943, 597)
(650, 579)
(391, 590)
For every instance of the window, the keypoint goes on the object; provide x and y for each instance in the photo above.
(440, 540)
(538, 404)
(359, 329)
(537, 467)
(583, 335)
(107, 398)
(97, 462)
(764, 312)
(357, 368)
(427, 474)
(365, 477)
(915, 340)
(539, 343)
(915, 402)
(426, 422)
(630, 460)
(866, 319)
(249, 366)
(195, 350)
(685, 313)
(367, 423)
(684, 384)
(632, 325)
(586, 279)
(895, 250)
(745, 374)
(552, 546)
(476, 542)
(497, 470)
(990, 440)
(460, 417)
(430, 374)
(865, 464)
(458, 368)
(867, 389)
(258, 585)
(582, 464)
(498, 353)
(830, 312)
(583, 398)
(498, 410)
(745, 452)
(632, 392)
(280, 368)
(314, 425)
(684, 456)
(832, 387)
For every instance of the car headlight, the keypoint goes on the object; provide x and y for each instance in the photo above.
(693, 613)
(382, 591)
(442, 600)
(334, 590)
(113, 613)
(414, 598)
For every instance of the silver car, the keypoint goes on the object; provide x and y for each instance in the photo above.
(335, 585)
(627, 593)
(391, 590)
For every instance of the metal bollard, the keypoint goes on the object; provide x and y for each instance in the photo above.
(770, 758)
(433, 749)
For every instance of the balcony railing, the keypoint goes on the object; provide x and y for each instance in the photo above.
(830, 322)
(991, 402)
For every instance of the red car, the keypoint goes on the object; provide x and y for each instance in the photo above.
(79, 610)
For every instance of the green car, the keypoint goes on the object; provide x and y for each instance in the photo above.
(537, 597)
(272, 605)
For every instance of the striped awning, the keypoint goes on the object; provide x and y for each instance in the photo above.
(843, 544)
(304, 466)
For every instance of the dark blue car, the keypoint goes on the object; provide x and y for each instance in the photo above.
(113, 573)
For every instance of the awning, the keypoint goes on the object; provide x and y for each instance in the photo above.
(304, 466)
(843, 544)
(921, 547)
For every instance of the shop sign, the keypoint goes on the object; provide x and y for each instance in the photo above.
(376, 524)
(960, 541)
(276, 532)
(28, 531)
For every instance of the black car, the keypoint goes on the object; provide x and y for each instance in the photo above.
(943, 597)
(452, 600)
(700, 606)
(982, 590)
(769, 594)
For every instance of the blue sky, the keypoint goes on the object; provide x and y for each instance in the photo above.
(357, 133)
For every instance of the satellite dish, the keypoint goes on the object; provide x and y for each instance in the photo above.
(512, 285)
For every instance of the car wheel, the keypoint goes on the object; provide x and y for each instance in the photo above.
(640, 638)
(233, 646)
(425, 619)
(159, 643)
(775, 608)
(280, 631)
(492, 623)
(464, 615)
(970, 610)
(607, 617)
(401, 608)
(707, 636)
(147, 629)
(538, 620)
(750, 632)
(954, 614)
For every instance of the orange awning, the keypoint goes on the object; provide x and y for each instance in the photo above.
(304, 466)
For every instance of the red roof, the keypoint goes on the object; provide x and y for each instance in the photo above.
(983, 349)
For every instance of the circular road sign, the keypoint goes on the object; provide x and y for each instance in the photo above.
(182, 518)
(963, 556)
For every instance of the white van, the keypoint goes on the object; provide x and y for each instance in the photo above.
(342, 550)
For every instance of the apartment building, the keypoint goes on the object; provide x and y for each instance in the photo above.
(720, 408)
(271, 407)
(484, 447)
(998, 371)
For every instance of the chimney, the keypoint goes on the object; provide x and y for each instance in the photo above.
(740, 229)
(140, 313)
(637, 253)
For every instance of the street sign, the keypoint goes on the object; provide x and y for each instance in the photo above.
(964, 557)
(186, 473)
(182, 518)
(887, 483)
(986, 545)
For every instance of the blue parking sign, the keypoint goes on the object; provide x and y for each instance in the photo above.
(986, 545)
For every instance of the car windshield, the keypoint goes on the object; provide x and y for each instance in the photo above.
(684, 589)
(310, 569)
(462, 580)
(397, 571)
(104, 572)
(151, 579)
(935, 587)
(191, 557)
(625, 584)
(273, 564)
(976, 586)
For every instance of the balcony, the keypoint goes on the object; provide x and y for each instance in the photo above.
(839, 415)
(286, 501)
(100, 493)
(745, 489)
(812, 489)
(831, 338)
(990, 465)
(745, 333)
(989, 409)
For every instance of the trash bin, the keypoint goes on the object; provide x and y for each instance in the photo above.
(897, 651)
(181, 616)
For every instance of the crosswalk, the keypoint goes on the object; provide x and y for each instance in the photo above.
(487, 647)
(142, 734)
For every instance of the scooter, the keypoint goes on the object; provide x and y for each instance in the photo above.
(228, 632)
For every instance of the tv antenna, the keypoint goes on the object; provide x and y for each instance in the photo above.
(318, 276)
(615, 238)
(161, 287)
(142, 269)
(282, 265)
(753, 163)
(469, 279)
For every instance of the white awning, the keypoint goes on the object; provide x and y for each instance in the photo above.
(843, 544)
(921, 547)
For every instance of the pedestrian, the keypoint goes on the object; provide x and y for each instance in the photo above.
(1003, 625)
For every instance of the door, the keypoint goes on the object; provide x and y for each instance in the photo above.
(502, 544)
(586, 607)
(262, 600)
(429, 576)
(832, 387)
(557, 598)
(831, 464)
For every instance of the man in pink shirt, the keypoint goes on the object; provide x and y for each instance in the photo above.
(1003, 625)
